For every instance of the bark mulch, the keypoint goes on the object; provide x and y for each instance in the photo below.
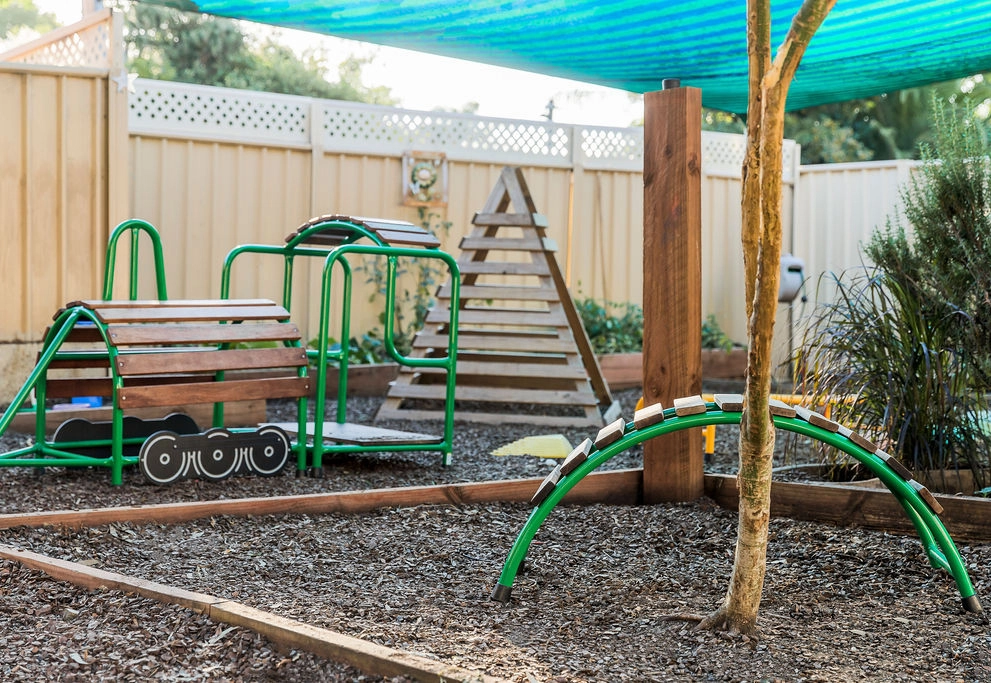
(839, 605)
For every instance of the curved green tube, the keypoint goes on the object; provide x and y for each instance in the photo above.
(935, 539)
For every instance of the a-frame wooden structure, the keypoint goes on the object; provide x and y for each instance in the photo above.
(523, 354)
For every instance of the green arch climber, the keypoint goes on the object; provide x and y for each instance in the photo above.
(936, 540)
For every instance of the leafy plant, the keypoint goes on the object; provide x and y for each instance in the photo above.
(913, 388)
(713, 336)
(368, 349)
(910, 338)
(618, 327)
(609, 332)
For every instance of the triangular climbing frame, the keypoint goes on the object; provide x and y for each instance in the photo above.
(523, 354)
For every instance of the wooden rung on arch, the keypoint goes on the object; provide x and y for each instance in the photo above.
(520, 339)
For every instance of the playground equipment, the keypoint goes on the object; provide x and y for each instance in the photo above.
(161, 352)
(334, 238)
(919, 504)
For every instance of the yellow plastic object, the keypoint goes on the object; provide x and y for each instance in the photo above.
(542, 446)
(709, 432)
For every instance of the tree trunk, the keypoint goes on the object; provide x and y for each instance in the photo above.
(761, 236)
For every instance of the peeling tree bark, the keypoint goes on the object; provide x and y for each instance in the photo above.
(761, 237)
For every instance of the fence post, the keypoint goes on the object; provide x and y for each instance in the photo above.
(672, 276)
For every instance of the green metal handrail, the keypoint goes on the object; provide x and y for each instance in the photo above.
(936, 540)
(447, 362)
(134, 227)
(336, 255)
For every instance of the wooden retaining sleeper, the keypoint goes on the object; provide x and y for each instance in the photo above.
(920, 505)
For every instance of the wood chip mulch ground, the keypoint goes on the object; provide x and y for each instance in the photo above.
(839, 605)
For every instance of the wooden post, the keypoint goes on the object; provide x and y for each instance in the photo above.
(672, 289)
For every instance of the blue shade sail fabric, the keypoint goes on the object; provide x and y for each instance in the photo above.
(864, 47)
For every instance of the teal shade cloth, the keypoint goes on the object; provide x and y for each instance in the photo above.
(864, 47)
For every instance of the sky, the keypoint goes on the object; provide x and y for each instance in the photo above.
(426, 82)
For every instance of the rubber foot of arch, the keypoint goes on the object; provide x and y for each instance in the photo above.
(972, 605)
(317, 473)
(501, 593)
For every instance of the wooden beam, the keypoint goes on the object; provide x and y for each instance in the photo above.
(619, 487)
(967, 518)
(362, 654)
(672, 276)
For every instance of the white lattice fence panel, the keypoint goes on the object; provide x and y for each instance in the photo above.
(383, 130)
(164, 108)
(612, 148)
(161, 107)
(87, 46)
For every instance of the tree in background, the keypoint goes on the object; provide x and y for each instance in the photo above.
(18, 14)
(170, 45)
(887, 126)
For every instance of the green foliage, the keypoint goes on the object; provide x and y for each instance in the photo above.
(618, 327)
(887, 126)
(713, 336)
(17, 14)
(911, 337)
(170, 45)
(915, 390)
(612, 327)
(412, 302)
(825, 141)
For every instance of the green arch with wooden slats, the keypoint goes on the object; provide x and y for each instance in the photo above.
(936, 540)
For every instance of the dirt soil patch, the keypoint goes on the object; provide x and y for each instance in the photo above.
(840, 604)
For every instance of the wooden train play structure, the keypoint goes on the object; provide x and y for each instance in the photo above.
(652, 421)
(147, 353)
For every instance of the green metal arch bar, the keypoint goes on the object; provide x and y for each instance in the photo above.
(935, 539)
(338, 256)
(134, 227)
(357, 233)
(48, 455)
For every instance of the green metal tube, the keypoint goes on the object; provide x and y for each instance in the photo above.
(59, 331)
(931, 530)
(133, 227)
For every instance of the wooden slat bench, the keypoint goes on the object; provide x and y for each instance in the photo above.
(160, 353)
(166, 353)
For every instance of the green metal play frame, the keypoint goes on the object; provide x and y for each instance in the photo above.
(936, 541)
(45, 453)
(323, 356)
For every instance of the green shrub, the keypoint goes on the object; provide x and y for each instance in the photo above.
(713, 336)
(612, 327)
(618, 327)
(412, 303)
(910, 338)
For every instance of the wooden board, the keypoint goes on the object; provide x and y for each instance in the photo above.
(968, 519)
(236, 414)
(351, 433)
(367, 656)
(212, 392)
(493, 394)
(135, 335)
(615, 487)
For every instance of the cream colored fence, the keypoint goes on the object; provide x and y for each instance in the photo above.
(61, 172)
(841, 206)
(214, 168)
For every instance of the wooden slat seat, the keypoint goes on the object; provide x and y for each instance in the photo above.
(177, 352)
